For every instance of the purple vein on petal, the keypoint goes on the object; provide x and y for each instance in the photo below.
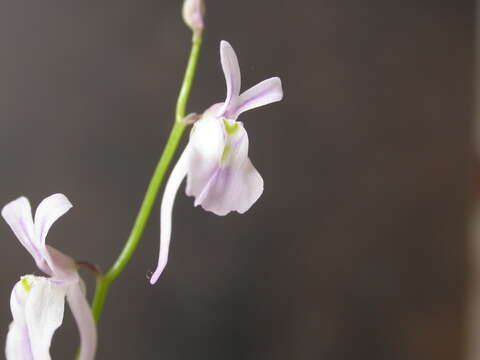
(27, 344)
(29, 240)
(253, 98)
(239, 141)
(41, 237)
(211, 181)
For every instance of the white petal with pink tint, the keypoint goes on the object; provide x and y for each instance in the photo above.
(41, 309)
(83, 316)
(193, 12)
(231, 71)
(48, 211)
(228, 181)
(173, 183)
(206, 146)
(18, 215)
(37, 306)
(264, 93)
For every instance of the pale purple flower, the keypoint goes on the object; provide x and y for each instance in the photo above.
(193, 12)
(220, 176)
(37, 303)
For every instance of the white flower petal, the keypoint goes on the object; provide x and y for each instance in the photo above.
(19, 296)
(266, 92)
(43, 314)
(235, 184)
(231, 70)
(206, 146)
(85, 322)
(173, 183)
(18, 346)
(18, 215)
(48, 211)
(18, 343)
(233, 190)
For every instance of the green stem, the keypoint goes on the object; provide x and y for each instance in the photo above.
(104, 282)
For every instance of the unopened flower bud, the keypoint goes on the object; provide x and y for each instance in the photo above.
(193, 12)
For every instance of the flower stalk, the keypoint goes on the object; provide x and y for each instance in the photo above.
(104, 282)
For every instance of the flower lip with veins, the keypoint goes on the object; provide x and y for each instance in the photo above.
(220, 175)
(264, 93)
(37, 303)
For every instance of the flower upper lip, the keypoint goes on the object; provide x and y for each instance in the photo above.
(265, 92)
(32, 232)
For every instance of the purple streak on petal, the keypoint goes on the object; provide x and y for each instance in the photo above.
(239, 141)
(36, 253)
(263, 93)
(18, 215)
(233, 78)
(215, 193)
(255, 98)
(236, 184)
(61, 282)
(211, 182)
(27, 345)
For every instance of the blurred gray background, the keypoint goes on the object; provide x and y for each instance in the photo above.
(357, 248)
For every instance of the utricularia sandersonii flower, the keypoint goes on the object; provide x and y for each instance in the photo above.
(37, 302)
(219, 173)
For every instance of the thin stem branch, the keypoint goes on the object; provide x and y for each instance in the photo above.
(104, 282)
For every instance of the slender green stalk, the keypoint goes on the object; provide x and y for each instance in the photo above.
(103, 282)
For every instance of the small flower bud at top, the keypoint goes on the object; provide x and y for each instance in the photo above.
(193, 12)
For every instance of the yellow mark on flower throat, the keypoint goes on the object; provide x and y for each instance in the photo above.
(27, 286)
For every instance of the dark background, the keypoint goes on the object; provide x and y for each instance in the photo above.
(357, 248)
